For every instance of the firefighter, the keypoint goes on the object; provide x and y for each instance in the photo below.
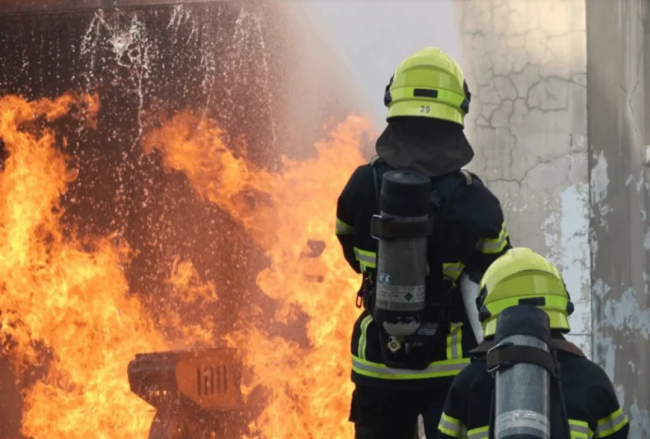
(427, 100)
(582, 396)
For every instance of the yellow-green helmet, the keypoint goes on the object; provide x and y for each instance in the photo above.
(428, 84)
(521, 277)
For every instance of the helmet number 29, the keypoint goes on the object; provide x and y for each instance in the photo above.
(425, 109)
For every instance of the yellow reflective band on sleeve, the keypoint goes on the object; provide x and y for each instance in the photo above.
(437, 369)
(478, 433)
(494, 245)
(363, 340)
(611, 424)
(452, 427)
(343, 228)
(580, 430)
(452, 270)
(455, 342)
(366, 258)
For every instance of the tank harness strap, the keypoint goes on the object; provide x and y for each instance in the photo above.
(507, 355)
(365, 296)
(375, 162)
(386, 228)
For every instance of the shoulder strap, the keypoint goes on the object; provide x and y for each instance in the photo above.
(447, 185)
(558, 344)
(375, 163)
(444, 189)
(376, 160)
(567, 346)
(442, 196)
(469, 178)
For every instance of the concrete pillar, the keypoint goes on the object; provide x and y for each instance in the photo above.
(619, 159)
(526, 67)
(584, 204)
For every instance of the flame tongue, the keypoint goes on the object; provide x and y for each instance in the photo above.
(292, 217)
(59, 302)
(197, 147)
(69, 308)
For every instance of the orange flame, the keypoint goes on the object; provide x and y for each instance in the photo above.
(185, 280)
(292, 215)
(62, 305)
(67, 306)
(187, 291)
(215, 172)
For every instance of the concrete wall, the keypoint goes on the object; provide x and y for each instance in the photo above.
(618, 68)
(561, 124)
(526, 67)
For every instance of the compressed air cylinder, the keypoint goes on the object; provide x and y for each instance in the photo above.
(401, 262)
(522, 406)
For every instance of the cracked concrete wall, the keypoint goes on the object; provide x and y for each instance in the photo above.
(583, 203)
(619, 158)
(526, 67)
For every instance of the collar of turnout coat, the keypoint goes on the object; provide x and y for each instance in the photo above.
(429, 146)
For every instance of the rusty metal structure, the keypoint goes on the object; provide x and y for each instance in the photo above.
(196, 394)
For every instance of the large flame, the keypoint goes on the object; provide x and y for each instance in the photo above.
(218, 171)
(65, 304)
(60, 300)
(292, 215)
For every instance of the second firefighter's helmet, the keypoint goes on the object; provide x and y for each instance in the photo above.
(429, 83)
(522, 277)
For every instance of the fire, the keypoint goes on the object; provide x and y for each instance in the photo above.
(189, 294)
(216, 171)
(64, 304)
(291, 214)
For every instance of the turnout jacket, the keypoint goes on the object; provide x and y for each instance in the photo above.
(469, 236)
(591, 404)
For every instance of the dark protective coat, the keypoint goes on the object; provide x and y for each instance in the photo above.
(591, 404)
(470, 237)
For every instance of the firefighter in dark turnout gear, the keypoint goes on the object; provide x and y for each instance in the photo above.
(582, 396)
(427, 99)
